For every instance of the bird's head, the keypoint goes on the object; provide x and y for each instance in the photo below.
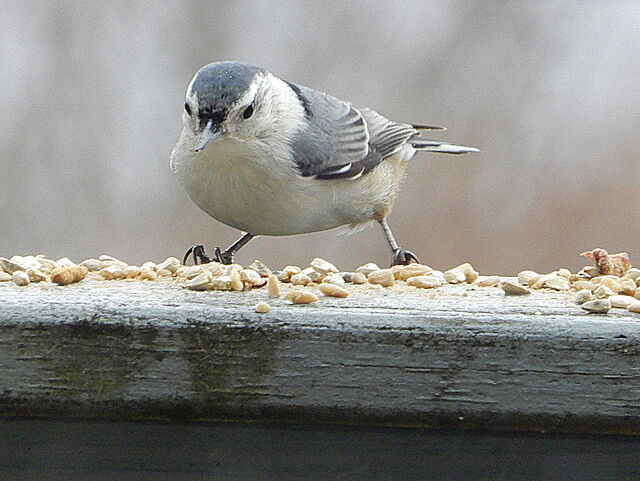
(237, 100)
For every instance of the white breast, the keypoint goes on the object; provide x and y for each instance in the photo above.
(266, 196)
(263, 197)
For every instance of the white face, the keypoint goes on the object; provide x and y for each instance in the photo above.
(268, 108)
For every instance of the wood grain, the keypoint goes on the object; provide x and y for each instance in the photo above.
(462, 358)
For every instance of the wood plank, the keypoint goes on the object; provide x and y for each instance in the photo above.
(460, 358)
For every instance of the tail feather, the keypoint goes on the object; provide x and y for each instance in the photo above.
(430, 145)
(427, 127)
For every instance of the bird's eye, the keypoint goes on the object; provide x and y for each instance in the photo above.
(187, 108)
(248, 112)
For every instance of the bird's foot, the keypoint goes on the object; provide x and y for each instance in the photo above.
(223, 257)
(402, 257)
(199, 256)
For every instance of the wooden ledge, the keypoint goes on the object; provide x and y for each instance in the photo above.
(459, 357)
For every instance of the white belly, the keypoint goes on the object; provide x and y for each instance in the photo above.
(266, 199)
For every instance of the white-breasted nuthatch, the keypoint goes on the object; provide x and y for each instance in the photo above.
(269, 157)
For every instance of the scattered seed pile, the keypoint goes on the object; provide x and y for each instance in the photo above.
(611, 282)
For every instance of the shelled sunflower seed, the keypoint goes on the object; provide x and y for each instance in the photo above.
(611, 279)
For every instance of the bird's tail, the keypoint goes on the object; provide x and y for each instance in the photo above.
(430, 145)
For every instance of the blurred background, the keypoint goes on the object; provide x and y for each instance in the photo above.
(92, 96)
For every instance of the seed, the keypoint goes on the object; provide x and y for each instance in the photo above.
(588, 272)
(148, 275)
(359, 278)
(528, 278)
(300, 279)
(92, 264)
(191, 272)
(469, 272)
(171, 264)
(347, 277)
(262, 307)
(66, 262)
(260, 268)
(621, 302)
(556, 282)
(368, 268)
(511, 289)
(130, 272)
(583, 296)
(581, 285)
(603, 292)
(336, 279)
(412, 270)
(20, 278)
(36, 275)
(68, 274)
(251, 277)
(9, 266)
(488, 281)
(313, 274)
(112, 272)
(287, 272)
(333, 290)
(628, 286)
(381, 277)
(598, 306)
(634, 307)
(633, 273)
(236, 281)
(273, 286)
(298, 296)
(396, 271)
(230, 269)
(5, 276)
(151, 266)
(455, 276)
(612, 283)
(220, 283)
(439, 275)
(27, 262)
(323, 267)
(424, 282)
(215, 268)
(199, 282)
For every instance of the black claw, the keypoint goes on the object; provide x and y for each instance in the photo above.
(199, 256)
(402, 257)
(223, 257)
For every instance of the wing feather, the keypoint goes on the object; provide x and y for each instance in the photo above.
(340, 141)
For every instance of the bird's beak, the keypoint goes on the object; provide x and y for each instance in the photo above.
(209, 134)
(588, 254)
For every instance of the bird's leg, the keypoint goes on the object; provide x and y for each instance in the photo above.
(222, 256)
(226, 256)
(400, 256)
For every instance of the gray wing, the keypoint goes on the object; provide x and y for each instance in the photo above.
(386, 137)
(340, 142)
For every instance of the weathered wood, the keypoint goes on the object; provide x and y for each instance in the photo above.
(463, 358)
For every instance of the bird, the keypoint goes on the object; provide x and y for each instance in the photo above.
(269, 157)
